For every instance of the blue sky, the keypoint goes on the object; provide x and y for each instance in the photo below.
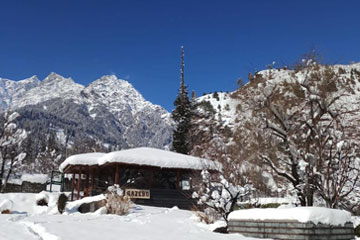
(140, 40)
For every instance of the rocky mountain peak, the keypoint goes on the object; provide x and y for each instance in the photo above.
(34, 81)
(110, 81)
(56, 78)
(113, 91)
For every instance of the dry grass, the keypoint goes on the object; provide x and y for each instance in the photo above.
(6, 211)
(207, 216)
(117, 203)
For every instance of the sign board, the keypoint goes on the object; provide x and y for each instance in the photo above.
(137, 193)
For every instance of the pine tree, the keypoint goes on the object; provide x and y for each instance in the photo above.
(182, 114)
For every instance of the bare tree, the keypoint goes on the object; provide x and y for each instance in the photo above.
(309, 142)
(221, 191)
(218, 192)
(10, 147)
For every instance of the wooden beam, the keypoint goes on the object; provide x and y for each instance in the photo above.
(86, 188)
(117, 175)
(72, 186)
(79, 184)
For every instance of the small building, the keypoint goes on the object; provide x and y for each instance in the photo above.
(149, 176)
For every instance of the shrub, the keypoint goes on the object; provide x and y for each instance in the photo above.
(116, 202)
(207, 215)
(42, 199)
(341, 71)
(61, 203)
(42, 202)
(206, 106)
(256, 205)
(227, 107)
(7, 211)
(216, 96)
(357, 231)
(270, 205)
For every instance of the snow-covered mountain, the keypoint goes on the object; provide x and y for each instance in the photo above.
(109, 111)
(237, 106)
(53, 86)
(12, 90)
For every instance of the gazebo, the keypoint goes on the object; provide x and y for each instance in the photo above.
(149, 176)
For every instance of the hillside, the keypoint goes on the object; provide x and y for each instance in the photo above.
(234, 125)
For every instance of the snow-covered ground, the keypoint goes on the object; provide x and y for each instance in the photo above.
(34, 222)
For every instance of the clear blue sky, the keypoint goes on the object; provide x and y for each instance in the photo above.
(140, 40)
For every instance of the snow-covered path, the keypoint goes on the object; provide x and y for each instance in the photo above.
(143, 223)
(150, 223)
(11, 229)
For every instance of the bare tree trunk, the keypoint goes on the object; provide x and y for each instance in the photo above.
(8, 175)
(2, 169)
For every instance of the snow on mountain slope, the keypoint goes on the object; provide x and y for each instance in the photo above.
(141, 120)
(223, 104)
(284, 80)
(116, 93)
(53, 86)
(119, 95)
(11, 90)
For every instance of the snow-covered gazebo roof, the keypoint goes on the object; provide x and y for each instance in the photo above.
(143, 156)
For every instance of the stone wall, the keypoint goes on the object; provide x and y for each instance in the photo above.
(27, 187)
(30, 187)
(11, 187)
(291, 230)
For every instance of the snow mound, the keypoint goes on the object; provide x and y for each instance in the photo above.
(141, 156)
(72, 207)
(50, 198)
(42, 195)
(301, 214)
(6, 205)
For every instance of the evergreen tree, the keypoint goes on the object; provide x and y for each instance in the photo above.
(182, 114)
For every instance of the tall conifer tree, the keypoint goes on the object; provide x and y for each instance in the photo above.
(182, 114)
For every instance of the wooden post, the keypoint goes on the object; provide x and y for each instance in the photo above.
(51, 180)
(117, 174)
(178, 179)
(92, 176)
(72, 186)
(86, 188)
(150, 178)
(79, 185)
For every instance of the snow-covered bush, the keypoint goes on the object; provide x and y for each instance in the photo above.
(6, 206)
(219, 194)
(116, 202)
(42, 199)
(207, 215)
